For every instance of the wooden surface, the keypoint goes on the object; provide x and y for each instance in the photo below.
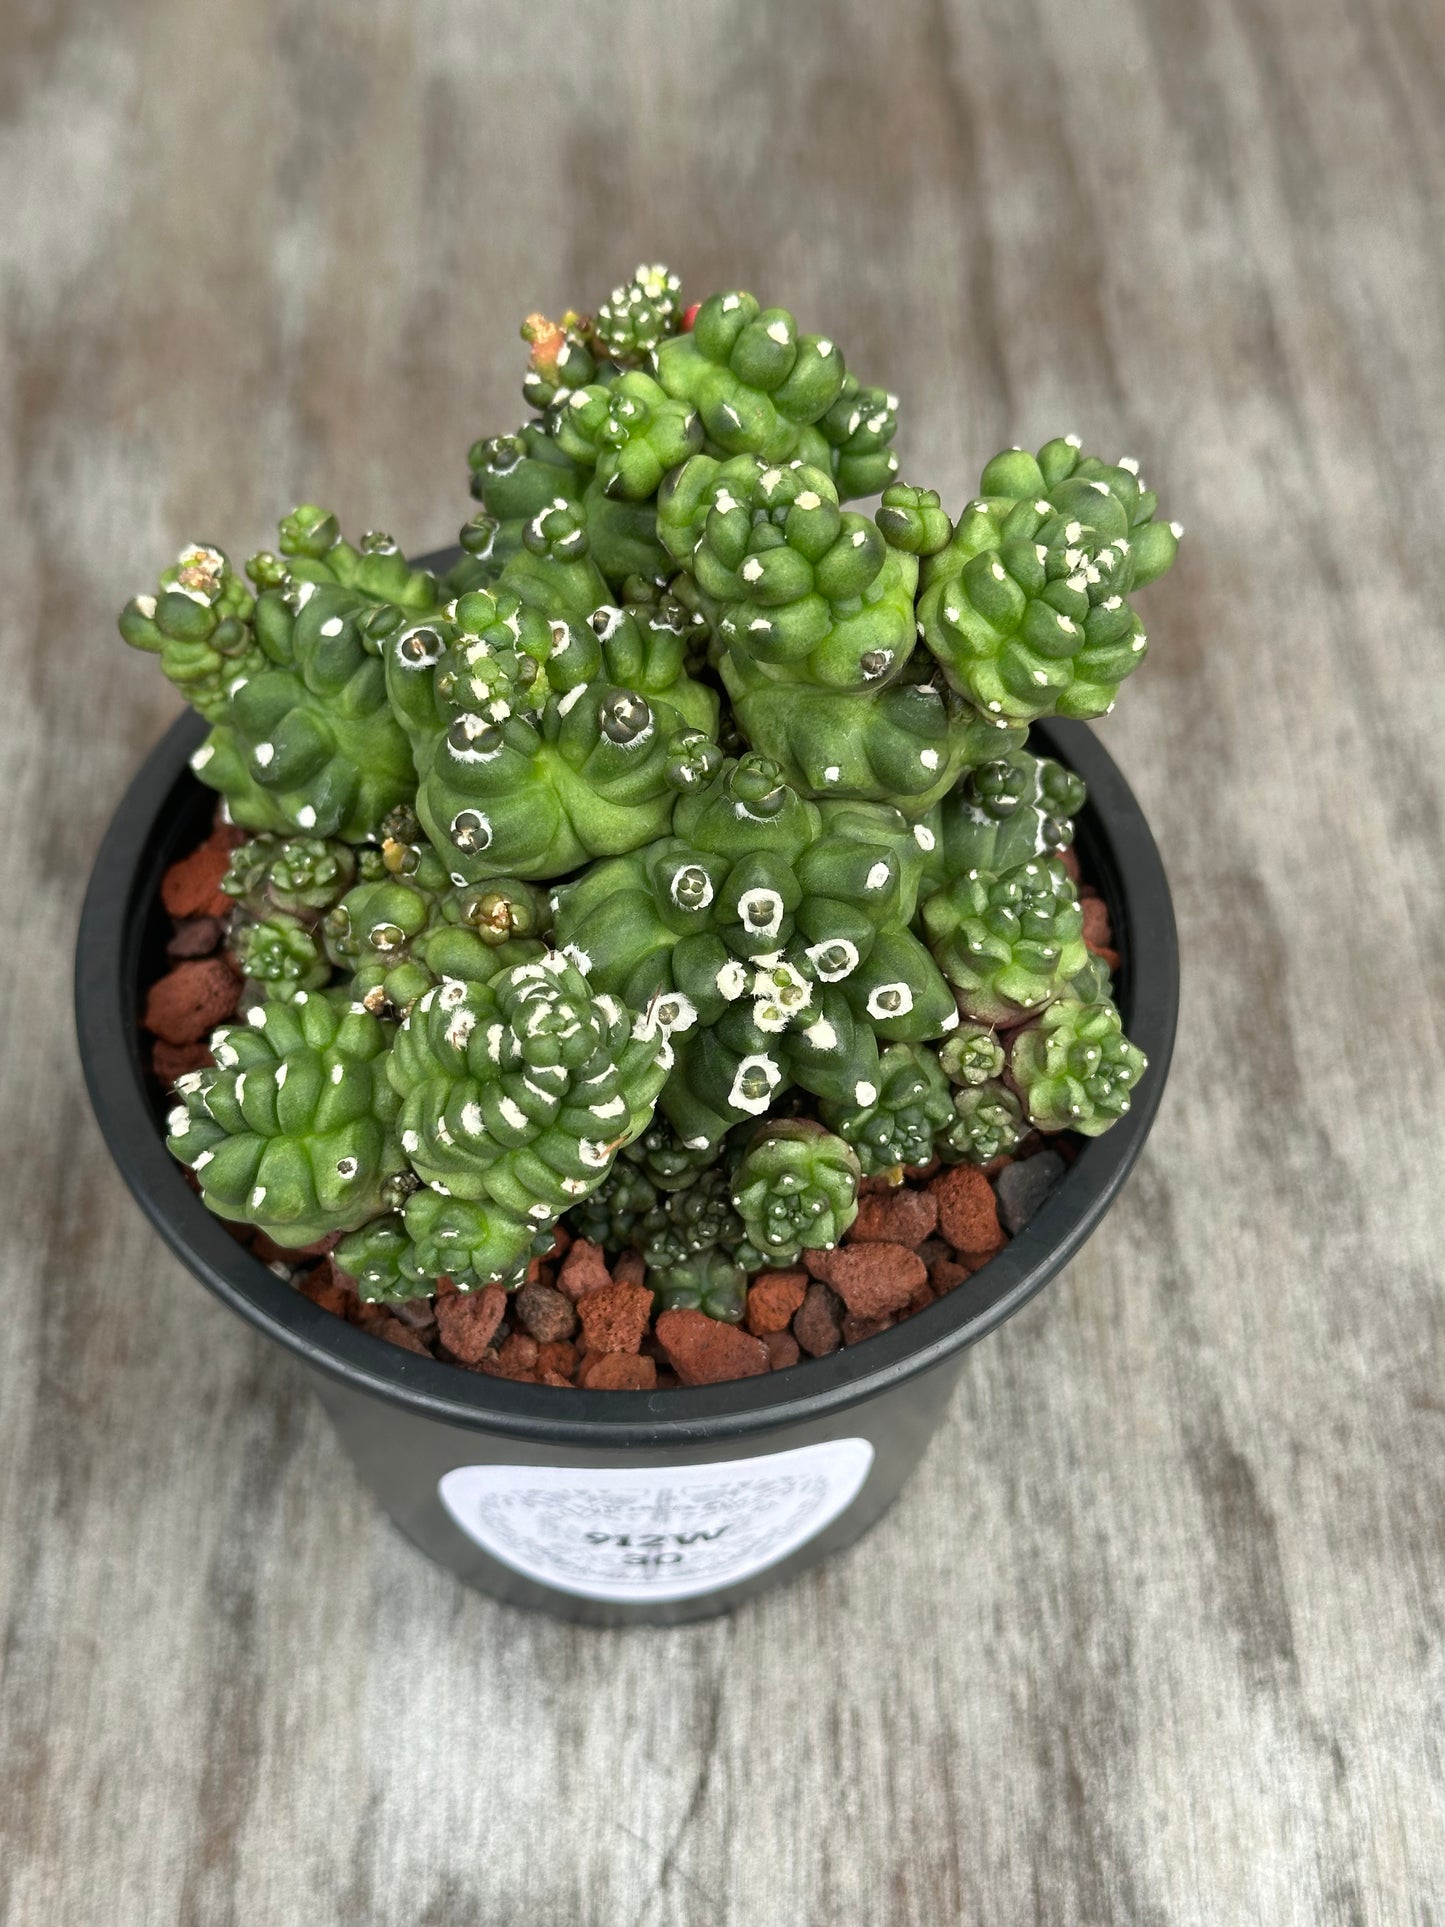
(1155, 1636)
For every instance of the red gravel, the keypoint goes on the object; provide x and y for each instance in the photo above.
(377, 1320)
(195, 937)
(331, 1289)
(468, 1320)
(1098, 934)
(946, 1275)
(170, 1061)
(900, 1216)
(560, 1356)
(783, 1350)
(191, 888)
(189, 1001)
(856, 1329)
(774, 1297)
(704, 1352)
(873, 1280)
(614, 1317)
(628, 1269)
(583, 1270)
(618, 1372)
(967, 1212)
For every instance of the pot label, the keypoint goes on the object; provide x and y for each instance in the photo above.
(654, 1532)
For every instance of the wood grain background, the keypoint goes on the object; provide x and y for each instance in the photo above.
(1156, 1635)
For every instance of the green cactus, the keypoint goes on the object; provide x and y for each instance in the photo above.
(972, 1055)
(1027, 608)
(893, 1122)
(671, 863)
(796, 1188)
(1075, 1068)
(710, 1281)
(301, 876)
(633, 320)
(279, 956)
(987, 1123)
(520, 1091)
(1008, 943)
(199, 623)
(294, 1129)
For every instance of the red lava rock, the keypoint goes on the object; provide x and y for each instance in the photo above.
(946, 1275)
(855, 1329)
(170, 1061)
(783, 1350)
(920, 1301)
(539, 1272)
(703, 1351)
(558, 1356)
(629, 1269)
(189, 1001)
(918, 1173)
(901, 1216)
(818, 1326)
(192, 887)
(772, 1300)
(554, 1378)
(377, 1320)
(1109, 957)
(324, 1285)
(614, 1317)
(875, 1280)
(1098, 934)
(518, 1353)
(584, 1269)
(967, 1211)
(619, 1372)
(194, 937)
(1070, 860)
(469, 1320)
(495, 1366)
(546, 1313)
(667, 1381)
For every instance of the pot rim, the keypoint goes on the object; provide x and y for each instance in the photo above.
(1123, 863)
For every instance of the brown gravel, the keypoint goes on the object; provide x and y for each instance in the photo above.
(377, 1320)
(628, 1269)
(818, 1326)
(873, 1280)
(614, 1317)
(191, 888)
(170, 1061)
(195, 937)
(189, 1001)
(469, 1319)
(783, 1350)
(559, 1356)
(946, 1275)
(901, 1216)
(967, 1212)
(1098, 933)
(772, 1300)
(324, 1285)
(544, 1312)
(856, 1329)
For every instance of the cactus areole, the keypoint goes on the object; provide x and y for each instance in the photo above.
(681, 861)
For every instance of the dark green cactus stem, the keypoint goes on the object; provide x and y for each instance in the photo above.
(988, 1123)
(1027, 609)
(1075, 1068)
(1007, 812)
(559, 359)
(1022, 781)
(304, 876)
(520, 1091)
(312, 550)
(893, 1122)
(198, 623)
(1008, 944)
(796, 1188)
(279, 956)
(710, 1281)
(663, 1159)
(972, 1055)
(294, 1130)
(514, 478)
(636, 316)
(309, 744)
(758, 385)
(612, 1215)
(645, 649)
(695, 1217)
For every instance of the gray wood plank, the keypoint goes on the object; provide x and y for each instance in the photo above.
(1156, 1634)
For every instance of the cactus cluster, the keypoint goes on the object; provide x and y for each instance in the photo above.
(676, 861)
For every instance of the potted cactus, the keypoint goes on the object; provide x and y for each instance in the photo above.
(648, 945)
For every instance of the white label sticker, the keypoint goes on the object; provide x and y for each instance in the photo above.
(654, 1532)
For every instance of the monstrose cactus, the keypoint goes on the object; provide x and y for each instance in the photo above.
(675, 862)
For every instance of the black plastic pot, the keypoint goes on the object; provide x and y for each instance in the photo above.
(613, 1507)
